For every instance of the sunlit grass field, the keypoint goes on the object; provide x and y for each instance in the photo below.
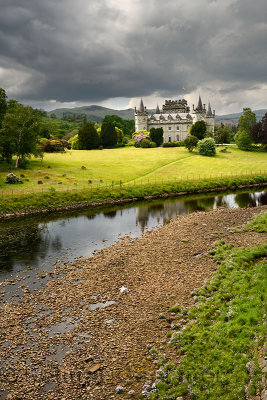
(79, 169)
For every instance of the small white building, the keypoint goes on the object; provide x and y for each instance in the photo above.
(175, 118)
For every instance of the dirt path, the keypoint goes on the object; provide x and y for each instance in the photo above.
(67, 342)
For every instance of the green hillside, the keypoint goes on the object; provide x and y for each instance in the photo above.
(94, 113)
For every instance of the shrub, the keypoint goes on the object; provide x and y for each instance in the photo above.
(173, 144)
(12, 178)
(40, 182)
(207, 147)
(125, 140)
(145, 143)
(191, 142)
(145, 133)
(55, 145)
(138, 139)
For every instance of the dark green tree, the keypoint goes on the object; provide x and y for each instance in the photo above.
(156, 135)
(3, 105)
(88, 137)
(191, 142)
(222, 134)
(258, 132)
(126, 125)
(108, 134)
(247, 120)
(198, 129)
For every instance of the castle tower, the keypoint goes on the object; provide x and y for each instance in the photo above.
(210, 119)
(141, 117)
(199, 113)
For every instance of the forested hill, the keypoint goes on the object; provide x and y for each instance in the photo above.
(94, 113)
(97, 113)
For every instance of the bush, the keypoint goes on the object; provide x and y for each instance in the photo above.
(55, 145)
(243, 140)
(145, 133)
(145, 143)
(12, 178)
(207, 147)
(191, 142)
(173, 144)
(138, 139)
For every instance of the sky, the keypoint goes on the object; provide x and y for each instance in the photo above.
(113, 52)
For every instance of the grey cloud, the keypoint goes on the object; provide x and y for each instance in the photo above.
(95, 50)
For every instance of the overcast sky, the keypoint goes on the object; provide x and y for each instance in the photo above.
(112, 52)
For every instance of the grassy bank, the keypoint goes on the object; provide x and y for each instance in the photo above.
(63, 199)
(217, 343)
(77, 169)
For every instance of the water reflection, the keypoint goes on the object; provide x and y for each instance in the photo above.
(38, 242)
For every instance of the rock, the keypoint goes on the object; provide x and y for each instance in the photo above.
(94, 368)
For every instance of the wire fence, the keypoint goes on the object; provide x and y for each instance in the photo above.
(93, 186)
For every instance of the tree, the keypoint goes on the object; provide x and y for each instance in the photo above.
(119, 133)
(246, 120)
(207, 147)
(258, 132)
(126, 125)
(3, 105)
(156, 135)
(243, 140)
(108, 134)
(20, 131)
(191, 142)
(222, 134)
(198, 129)
(88, 137)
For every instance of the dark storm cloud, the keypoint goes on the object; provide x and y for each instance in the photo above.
(98, 49)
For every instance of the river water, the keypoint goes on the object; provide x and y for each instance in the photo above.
(37, 243)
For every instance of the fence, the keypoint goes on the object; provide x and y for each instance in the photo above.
(142, 181)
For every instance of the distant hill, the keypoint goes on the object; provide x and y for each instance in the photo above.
(97, 113)
(94, 113)
(232, 119)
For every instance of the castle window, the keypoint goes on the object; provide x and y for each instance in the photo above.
(170, 128)
(177, 128)
(177, 138)
(170, 139)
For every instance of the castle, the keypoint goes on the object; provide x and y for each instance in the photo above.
(175, 118)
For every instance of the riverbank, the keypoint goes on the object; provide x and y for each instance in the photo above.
(58, 201)
(87, 331)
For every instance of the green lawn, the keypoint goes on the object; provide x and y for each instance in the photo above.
(128, 164)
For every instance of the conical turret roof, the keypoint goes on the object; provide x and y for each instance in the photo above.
(157, 109)
(199, 106)
(141, 108)
(209, 113)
